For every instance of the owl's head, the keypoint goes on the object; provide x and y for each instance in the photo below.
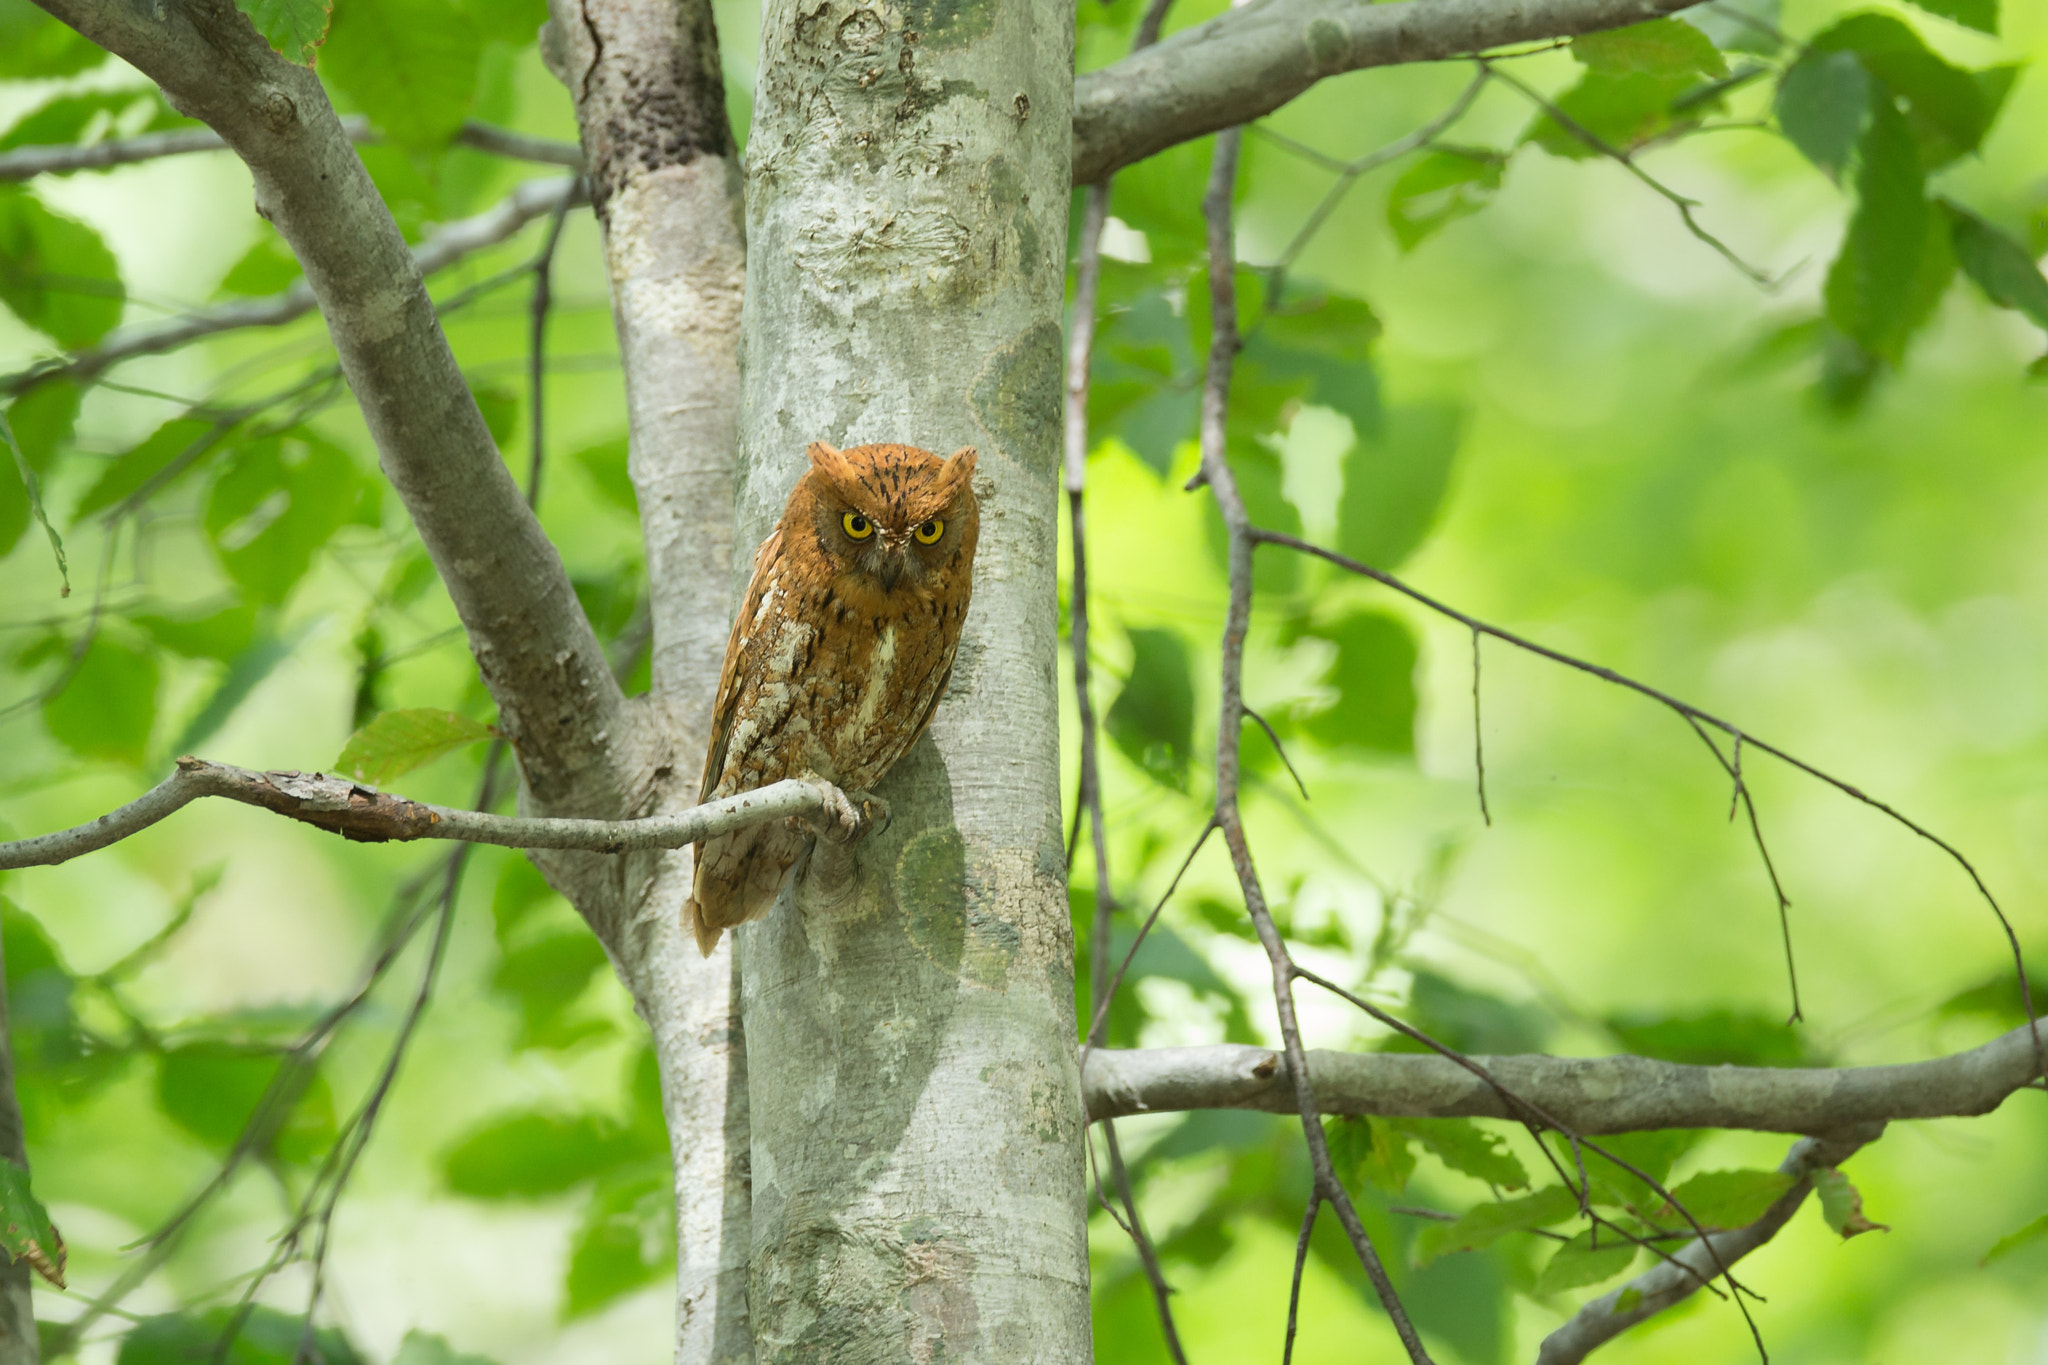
(896, 517)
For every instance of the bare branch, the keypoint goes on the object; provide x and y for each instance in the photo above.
(1593, 1095)
(25, 163)
(369, 816)
(531, 199)
(1674, 1280)
(1250, 60)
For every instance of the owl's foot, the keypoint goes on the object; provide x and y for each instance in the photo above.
(848, 816)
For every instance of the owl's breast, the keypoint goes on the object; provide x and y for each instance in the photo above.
(891, 669)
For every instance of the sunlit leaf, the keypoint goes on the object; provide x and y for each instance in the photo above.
(293, 28)
(1465, 1147)
(41, 421)
(1373, 675)
(222, 634)
(26, 1233)
(398, 741)
(212, 1089)
(627, 1238)
(1948, 110)
(25, 490)
(268, 267)
(1618, 109)
(55, 272)
(70, 118)
(1490, 1222)
(1438, 188)
(605, 463)
(1842, 1205)
(1718, 1037)
(33, 45)
(1395, 479)
(1726, 1199)
(172, 450)
(500, 408)
(1823, 103)
(108, 707)
(1369, 1151)
(1579, 1262)
(426, 1348)
(1981, 15)
(531, 1156)
(1998, 997)
(1469, 1020)
(1999, 265)
(277, 502)
(1152, 720)
(2036, 1231)
(266, 1337)
(1896, 259)
(411, 65)
(1660, 47)
(546, 976)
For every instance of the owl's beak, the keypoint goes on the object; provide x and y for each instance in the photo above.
(892, 565)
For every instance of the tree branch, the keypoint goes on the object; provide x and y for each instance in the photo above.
(1592, 1095)
(531, 199)
(558, 703)
(369, 816)
(1250, 60)
(25, 163)
(1672, 1281)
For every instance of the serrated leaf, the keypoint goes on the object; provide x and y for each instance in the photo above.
(1726, 1199)
(627, 1238)
(1369, 1151)
(1823, 103)
(2036, 1231)
(398, 741)
(1488, 1223)
(531, 1156)
(1152, 720)
(1440, 187)
(1947, 109)
(1580, 1262)
(411, 65)
(108, 707)
(1660, 47)
(1998, 264)
(55, 272)
(1896, 259)
(277, 502)
(1841, 1205)
(293, 28)
(26, 1232)
(1465, 1147)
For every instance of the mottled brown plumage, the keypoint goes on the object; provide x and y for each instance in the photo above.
(840, 653)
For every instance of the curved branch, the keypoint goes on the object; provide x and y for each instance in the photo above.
(578, 741)
(370, 816)
(1592, 1095)
(1250, 60)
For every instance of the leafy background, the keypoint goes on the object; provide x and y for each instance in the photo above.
(1502, 366)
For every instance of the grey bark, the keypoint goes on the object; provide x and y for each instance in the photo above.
(1251, 59)
(664, 174)
(917, 1158)
(1592, 1094)
(19, 1344)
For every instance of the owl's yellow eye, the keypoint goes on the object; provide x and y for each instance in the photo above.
(929, 532)
(857, 526)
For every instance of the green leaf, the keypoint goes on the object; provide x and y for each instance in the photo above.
(1715, 1038)
(1260, 482)
(266, 268)
(109, 706)
(605, 463)
(1327, 342)
(31, 494)
(1579, 1262)
(2001, 267)
(411, 65)
(1726, 1199)
(212, 1089)
(33, 45)
(1394, 483)
(1152, 720)
(426, 1348)
(26, 1233)
(1661, 47)
(1896, 259)
(42, 421)
(531, 1156)
(1823, 103)
(627, 1238)
(1981, 15)
(500, 408)
(1621, 110)
(39, 991)
(1998, 998)
(398, 741)
(1490, 1222)
(1465, 1147)
(89, 116)
(245, 672)
(546, 976)
(1374, 678)
(2035, 1231)
(1468, 1020)
(266, 1337)
(1369, 1151)
(1841, 1205)
(172, 450)
(220, 635)
(1440, 187)
(507, 21)
(293, 28)
(55, 272)
(1948, 109)
(277, 502)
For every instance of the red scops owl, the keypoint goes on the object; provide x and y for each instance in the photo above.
(839, 655)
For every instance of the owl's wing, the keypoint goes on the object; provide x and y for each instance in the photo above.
(730, 674)
(931, 706)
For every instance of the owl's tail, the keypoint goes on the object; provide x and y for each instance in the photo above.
(738, 877)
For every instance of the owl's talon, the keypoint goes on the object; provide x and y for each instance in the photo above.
(847, 817)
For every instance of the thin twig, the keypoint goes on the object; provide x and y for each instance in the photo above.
(1148, 1256)
(1308, 1226)
(1478, 743)
(1117, 979)
(1742, 799)
(1281, 750)
(23, 163)
(537, 344)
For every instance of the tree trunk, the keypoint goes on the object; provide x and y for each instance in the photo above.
(916, 1119)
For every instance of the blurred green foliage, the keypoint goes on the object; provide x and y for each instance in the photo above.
(1501, 366)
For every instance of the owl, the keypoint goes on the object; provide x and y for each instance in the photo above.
(841, 650)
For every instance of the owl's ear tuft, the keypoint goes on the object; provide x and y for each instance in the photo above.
(830, 460)
(953, 476)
